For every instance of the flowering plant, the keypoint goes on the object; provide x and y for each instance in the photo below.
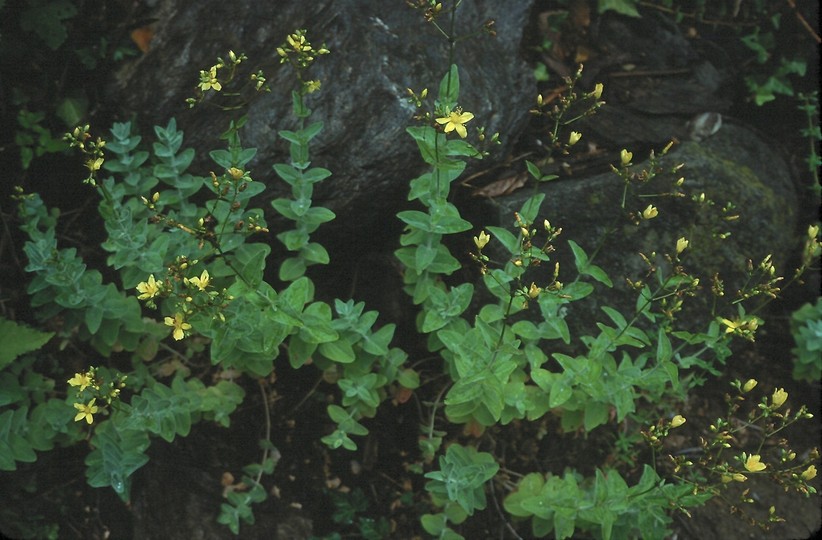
(190, 259)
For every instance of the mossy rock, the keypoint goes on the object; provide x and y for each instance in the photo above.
(733, 166)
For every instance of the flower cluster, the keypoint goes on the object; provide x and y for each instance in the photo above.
(557, 108)
(92, 149)
(90, 386)
(299, 52)
(774, 458)
(529, 256)
(209, 79)
(190, 294)
(744, 326)
(214, 79)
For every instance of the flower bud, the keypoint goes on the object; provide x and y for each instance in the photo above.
(574, 138)
(650, 212)
(597, 93)
(625, 157)
(749, 385)
(778, 398)
(677, 421)
(482, 240)
(681, 245)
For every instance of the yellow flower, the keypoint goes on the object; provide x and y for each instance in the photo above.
(778, 398)
(455, 121)
(574, 138)
(208, 80)
(809, 474)
(739, 477)
(732, 325)
(677, 421)
(94, 164)
(681, 245)
(597, 93)
(650, 212)
(149, 289)
(201, 282)
(311, 86)
(82, 380)
(179, 325)
(86, 411)
(753, 463)
(534, 291)
(625, 157)
(749, 385)
(813, 230)
(482, 240)
(298, 42)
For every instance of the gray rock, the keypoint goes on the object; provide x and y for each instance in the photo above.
(733, 165)
(378, 49)
(655, 81)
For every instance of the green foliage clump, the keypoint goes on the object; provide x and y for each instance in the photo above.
(806, 328)
(187, 272)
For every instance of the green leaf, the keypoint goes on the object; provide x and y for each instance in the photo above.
(664, 352)
(299, 351)
(409, 378)
(526, 330)
(585, 268)
(116, 455)
(377, 343)
(46, 20)
(528, 488)
(449, 93)
(623, 7)
(13, 445)
(18, 339)
(316, 174)
(506, 238)
(338, 351)
(434, 524)
(94, 317)
(462, 476)
(416, 219)
(315, 253)
(561, 392)
(530, 209)
(596, 414)
(292, 268)
(287, 173)
(72, 110)
(249, 261)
